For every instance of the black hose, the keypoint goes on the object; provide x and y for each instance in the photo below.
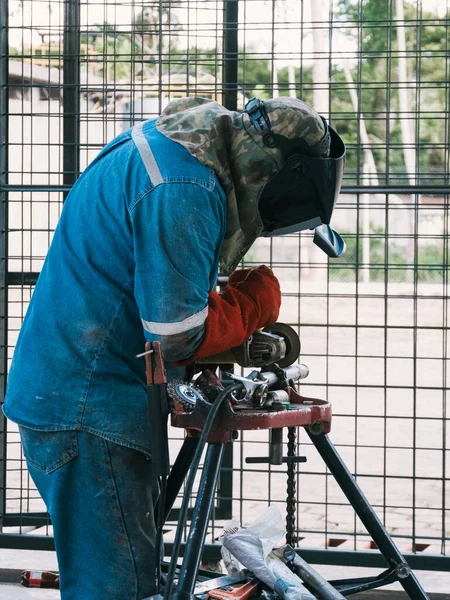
(190, 484)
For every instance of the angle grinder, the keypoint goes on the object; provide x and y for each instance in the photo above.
(278, 343)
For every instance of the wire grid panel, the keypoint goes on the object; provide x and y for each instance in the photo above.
(373, 323)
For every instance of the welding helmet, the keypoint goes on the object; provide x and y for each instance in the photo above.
(303, 193)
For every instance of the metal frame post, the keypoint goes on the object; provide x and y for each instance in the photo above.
(71, 92)
(3, 242)
(230, 53)
(224, 504)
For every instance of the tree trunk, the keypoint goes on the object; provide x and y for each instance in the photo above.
(291, 79)
(369, 176)
(405, 114)
(405, 105)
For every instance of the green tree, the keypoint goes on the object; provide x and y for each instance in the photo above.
(388, 260)
(137, 53)
(376, 73)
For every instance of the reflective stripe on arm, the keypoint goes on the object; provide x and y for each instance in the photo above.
(146, 154)
(178, 346)
(182, 345)
(177, 327)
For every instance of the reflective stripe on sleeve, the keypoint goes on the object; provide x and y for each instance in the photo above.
(178, 327)
(146, 154)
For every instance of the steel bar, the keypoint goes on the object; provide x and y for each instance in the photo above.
(276, 446)
(26, 520)
(230, 53)
(344, 558)
(35, 188)
(346, 189)
(362, 584)
(71, 92)
(224, 503)
(4, 53)
(320, 586)
(347, 558)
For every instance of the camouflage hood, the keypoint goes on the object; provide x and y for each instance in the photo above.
(228, 143)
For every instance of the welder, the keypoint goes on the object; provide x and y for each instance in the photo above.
(135, 257)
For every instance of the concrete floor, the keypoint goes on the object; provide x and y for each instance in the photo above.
(433, 582)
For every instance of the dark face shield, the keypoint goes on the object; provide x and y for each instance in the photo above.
(302, 195)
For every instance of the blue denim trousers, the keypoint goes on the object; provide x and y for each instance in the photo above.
(101, 498)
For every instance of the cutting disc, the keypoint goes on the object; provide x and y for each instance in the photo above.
(291, 339)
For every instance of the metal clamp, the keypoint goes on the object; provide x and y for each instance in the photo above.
(255, 389)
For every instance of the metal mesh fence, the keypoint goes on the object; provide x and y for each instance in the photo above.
(373, 324)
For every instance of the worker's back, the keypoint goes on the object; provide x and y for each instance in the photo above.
(119, 258)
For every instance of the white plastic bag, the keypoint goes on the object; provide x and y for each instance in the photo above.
(252, 548)
(232, 565)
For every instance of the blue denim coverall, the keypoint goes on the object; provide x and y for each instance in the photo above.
(134, 257)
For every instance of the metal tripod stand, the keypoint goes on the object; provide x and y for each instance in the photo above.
(311, 414)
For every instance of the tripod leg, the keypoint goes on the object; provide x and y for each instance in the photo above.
(368, 516)
(199, 523)
(178, 473)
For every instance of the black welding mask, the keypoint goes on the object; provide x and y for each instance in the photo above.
(303, 193)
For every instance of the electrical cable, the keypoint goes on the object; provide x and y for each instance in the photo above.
(190, 484)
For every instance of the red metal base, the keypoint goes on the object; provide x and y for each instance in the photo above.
(304, 412)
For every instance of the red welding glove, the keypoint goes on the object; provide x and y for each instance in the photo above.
(251, 300)
(262, 283)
